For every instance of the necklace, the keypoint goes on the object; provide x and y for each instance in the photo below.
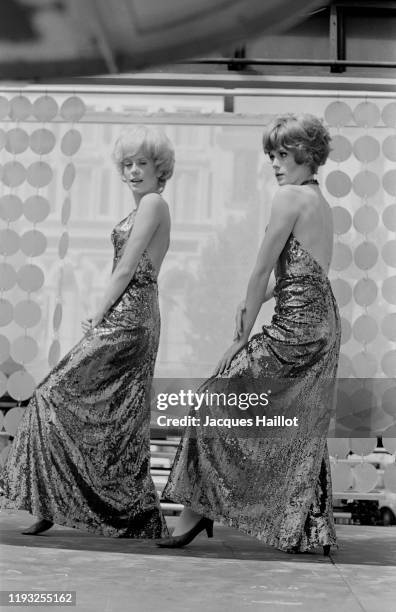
(310, 182)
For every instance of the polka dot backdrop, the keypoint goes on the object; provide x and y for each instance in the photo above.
(359, 181)
(363, 272)
(36, 132)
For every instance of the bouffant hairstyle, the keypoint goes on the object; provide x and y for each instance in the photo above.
(304, 135)
(150, 141)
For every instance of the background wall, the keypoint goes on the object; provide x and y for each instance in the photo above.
(61, 196)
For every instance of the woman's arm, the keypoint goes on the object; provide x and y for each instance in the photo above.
(148, 218)
(241, 309)
(284, 213)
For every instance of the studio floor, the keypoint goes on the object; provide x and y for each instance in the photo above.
(230, 572)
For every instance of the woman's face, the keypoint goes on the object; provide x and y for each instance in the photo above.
(140, 173)
(287, 170)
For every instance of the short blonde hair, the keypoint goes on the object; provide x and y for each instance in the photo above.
(151, 142)
(304, 135)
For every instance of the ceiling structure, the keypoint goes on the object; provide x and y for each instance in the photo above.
(51, 39)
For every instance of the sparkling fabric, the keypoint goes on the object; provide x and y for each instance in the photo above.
(81, 455)
(275, 485)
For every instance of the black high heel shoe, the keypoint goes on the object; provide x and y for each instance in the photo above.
(188, 536)
(39, 527)
(326, 550)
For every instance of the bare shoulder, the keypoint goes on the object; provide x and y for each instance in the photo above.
(288, 197)
(154, 204)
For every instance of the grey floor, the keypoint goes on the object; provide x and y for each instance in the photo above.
(230, 572)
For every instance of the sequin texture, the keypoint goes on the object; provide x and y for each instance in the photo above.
(81, 455)
(275, 486)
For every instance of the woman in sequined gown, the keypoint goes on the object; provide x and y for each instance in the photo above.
(81, 455)
(274, 484)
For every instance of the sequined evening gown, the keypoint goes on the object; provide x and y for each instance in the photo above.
(81, 455)
(274, 485)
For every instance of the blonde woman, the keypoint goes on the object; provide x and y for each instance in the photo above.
(81, 454)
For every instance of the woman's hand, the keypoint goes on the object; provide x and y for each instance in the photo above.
(240, 313)
(228, 356)
(91, 322)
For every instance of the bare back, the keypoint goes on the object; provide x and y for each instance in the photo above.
(159, 243)
(314, 226)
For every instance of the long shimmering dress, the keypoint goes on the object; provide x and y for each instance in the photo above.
(81, 455)
(275, 484)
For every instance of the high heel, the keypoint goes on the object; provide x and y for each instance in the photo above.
(188, 536)
(39, 527)
(326, 550)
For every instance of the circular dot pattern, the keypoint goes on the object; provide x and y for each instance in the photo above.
(6, 312)
(389, 217)
(17, 141)
(365, 292)
(33, 243)
(341, 148)
(66, 211)
(54, 353)
(4, 348)
(389, 182)
(364, 365)
(388, 326)
(20, 386)
(57, 318)
(338, 114)
(4, 107)
(20, 108)
(344, 366)
(365, 219)
(389, 115)
(27, 313)
(338, 183)
(366, 114)
(7, 276)
(13, 416)
(342, 256)
(346, 330)
(39, 174)
(389, 147)
(63, 245)
(389, 289)
(24, 349)
(42, 141)
(366, 183)
(342, 291)
(69, 175)
(71, 142)
(366, 149)
(9, 242)
(366, 255)
(365, 329)
(342, 219)
(388, 364)
(10, 207)
(13, 174)
(389, 253)
(30, 278)
(36, 208)
(45, 108)
(72, 109)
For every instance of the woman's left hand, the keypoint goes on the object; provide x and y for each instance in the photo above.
(228, 356)
(91, 322)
